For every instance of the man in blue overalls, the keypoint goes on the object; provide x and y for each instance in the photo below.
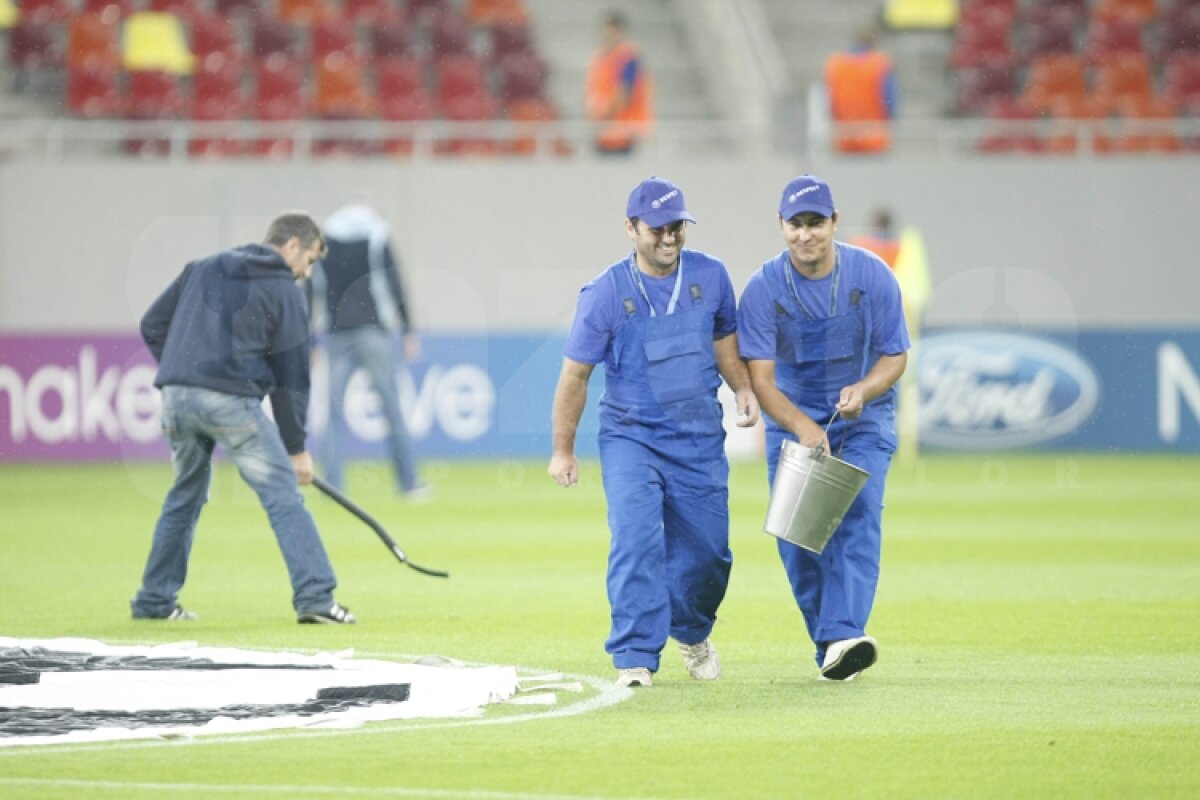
(822, 330)
(663, 322)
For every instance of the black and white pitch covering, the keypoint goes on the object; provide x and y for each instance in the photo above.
(74, 690)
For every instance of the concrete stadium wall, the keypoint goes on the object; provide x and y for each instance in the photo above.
(504, 246)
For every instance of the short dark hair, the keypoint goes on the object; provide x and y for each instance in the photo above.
(294, 225)
(616, 19)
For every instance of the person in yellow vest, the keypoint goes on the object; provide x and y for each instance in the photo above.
(861, 85)
(620, 94)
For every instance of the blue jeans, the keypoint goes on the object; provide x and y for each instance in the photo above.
(194, 421)
(370, 349)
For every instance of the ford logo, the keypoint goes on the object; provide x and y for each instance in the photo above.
(996, 390)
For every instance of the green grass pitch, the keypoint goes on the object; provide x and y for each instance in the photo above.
(1038, 618)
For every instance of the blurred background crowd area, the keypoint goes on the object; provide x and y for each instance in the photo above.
(281, 79)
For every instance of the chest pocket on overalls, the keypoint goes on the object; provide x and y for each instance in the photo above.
(677, 355)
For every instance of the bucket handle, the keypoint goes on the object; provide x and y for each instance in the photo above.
(819, 451)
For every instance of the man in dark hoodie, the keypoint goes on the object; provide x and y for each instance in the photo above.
(230, 330)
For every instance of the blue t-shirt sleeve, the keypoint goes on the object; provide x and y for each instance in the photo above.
(756, 320)
(592, 328)
(889, 335)
(725, 321)
(629, 74)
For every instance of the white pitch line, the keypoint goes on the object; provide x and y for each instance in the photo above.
(609, 694)
(292, 791)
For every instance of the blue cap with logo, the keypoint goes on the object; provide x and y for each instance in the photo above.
(657, 202)
(806, 194)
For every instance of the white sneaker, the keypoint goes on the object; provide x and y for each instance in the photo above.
(846, 658)
(701, 660)
(633, 678)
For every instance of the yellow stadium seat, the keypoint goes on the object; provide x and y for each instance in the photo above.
(8, 14)
(156, 41)
(902, 15)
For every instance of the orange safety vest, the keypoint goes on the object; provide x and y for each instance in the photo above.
(635, 118)
(855, 82)
(887, 249)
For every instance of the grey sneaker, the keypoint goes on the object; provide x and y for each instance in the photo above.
(634, 678)
(846, 658)
(701, 660)
(178, 614)
(336, 615)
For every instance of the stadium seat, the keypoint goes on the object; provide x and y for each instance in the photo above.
(450, 34)
(95, 93)
(486, 13)
(214, 33)
(1046, 33)
(1139, 10)
(424, 9)
(1181, 82)
(35, 45)
(370, 11)
(111, 10)
(155, 40)
(521, 76)
(44, 10)
(340, 88)
(153, 95)
(1110, 36)
(217, 96)
(240, 8)
(94, 41)
(981, 43)
(1123, 79)
(510, 37)
(914, 15)
(1178, 31)
(334, 36)
(533, 114)
(977, 88)
(303, 12)
(1074, 11)
(1074, 116)
(184, 9)
(460, 76)
(273, 36)
(278, 97)
(400, 91)
(1052, 78)
(972, 11)
(391, 38)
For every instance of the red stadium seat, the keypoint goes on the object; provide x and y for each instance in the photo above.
(459, 76)
(278, 97)
(273, 36)
(424, 9)
(982, 43)
(111, 10)
(1178, 31)
(391, 38)
(522, 75)
(153, 95)
(1053, 33)
(973, 11)
(44, 10)
(534, 113)
(184, 9)
(468, 108)
(977, 88)
(95, 93)
(1112, 36)
(36, 44)
(400, 89)
(303, 12)
(1181, 82)
(450, 34)
(213, 33)
(1139, 10)
(334, 36)
(510, 38)
(1074, 12)
(1011, 128)
(217, 96)
(241, 8)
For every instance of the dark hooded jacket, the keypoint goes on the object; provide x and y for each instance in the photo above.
(236, 323)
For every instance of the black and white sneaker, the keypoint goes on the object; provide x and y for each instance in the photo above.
(336, 615)
(178, 614)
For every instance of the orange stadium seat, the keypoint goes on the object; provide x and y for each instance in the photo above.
(1052, 78)
(94, 41)
(533, 113)
(485, 13)
(1011, 128)
(1074, 116)
(303, 12)
(1140, 10)
(1123, 79)
(340, 88)
(1144, 114)
(111, 10)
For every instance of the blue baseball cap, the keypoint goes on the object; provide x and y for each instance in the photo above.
(806, 194)
(657, 202)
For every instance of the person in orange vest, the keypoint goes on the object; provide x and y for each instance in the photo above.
(881, 238)
(862, 90)
(620, 94)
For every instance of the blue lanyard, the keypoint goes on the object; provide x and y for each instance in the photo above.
(833, 291)
(637, 280)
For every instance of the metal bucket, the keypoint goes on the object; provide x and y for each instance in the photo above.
(813, 491)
